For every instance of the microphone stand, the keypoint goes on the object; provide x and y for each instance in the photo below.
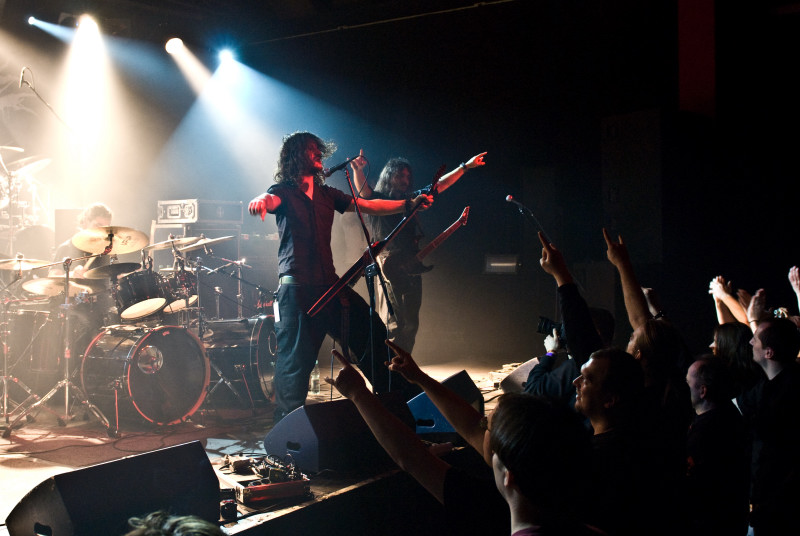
(367, 259)
(24, 82)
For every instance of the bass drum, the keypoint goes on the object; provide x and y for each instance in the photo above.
(244, 350)
(158, 374)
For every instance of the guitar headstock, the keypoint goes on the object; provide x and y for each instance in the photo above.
(463, 218)
(434, 189)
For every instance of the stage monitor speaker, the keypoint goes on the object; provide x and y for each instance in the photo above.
(332, 435)
(429, 421)
(515, 381)
(99, 499)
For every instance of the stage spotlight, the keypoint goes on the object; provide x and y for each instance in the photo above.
(173, 45)
(87, 23)
(226, 55)
(31, 20)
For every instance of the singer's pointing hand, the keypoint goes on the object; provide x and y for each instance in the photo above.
(258, 207)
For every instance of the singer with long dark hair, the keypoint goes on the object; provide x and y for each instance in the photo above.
(303, 206)
(403, 284)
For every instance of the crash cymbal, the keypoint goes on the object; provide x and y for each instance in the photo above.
(167, 244)
(28, 165)
(22, 264)
(122, 240)
(53, 286)
(110, 271)
(205, 242)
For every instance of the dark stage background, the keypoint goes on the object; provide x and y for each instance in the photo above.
(672, 123)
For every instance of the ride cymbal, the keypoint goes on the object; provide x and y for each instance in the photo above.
(168, 244)
(122, 240)
(28, 165)
(205, 242)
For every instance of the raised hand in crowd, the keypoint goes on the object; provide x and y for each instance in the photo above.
(757, 309)
(794, 280)
(553, 262)
(635, 301)
(726, 302)
(465, 419)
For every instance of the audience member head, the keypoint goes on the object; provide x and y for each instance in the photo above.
(95, 215)
(710, 383)
(732, 345)
(661, 350)
(540, 451)
(609, 389)
(603, 321)
(396, 178)
(162, 524)
(776, 343)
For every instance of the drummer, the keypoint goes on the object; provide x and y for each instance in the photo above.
(95, 215)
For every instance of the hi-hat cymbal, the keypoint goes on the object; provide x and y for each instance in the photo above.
(22, 264)
(122, 240)
(110, 271)
(55, 285)
(205, 242)
(167, 244)
(28, 165)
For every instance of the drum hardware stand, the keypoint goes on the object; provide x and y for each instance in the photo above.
(229, 385)
(66, 382)
(11, 379)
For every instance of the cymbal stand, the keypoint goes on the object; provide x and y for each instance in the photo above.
(7, 380)
(66, 382)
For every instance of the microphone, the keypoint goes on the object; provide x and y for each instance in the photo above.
(22, 76)
(510, 199)
(330, 171)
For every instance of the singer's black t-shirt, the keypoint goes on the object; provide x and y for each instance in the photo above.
(304, 227)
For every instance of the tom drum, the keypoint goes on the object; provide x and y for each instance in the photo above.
(140, 294)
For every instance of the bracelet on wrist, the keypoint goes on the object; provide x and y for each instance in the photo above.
(463, 167)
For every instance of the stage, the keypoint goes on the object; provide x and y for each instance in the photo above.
(382, 496)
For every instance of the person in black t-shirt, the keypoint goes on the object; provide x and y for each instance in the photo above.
(303, 206)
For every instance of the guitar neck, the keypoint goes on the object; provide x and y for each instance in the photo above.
(436, 242)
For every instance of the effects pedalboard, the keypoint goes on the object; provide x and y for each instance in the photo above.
(262, 479)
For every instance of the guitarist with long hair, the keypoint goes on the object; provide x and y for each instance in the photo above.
(402, 268)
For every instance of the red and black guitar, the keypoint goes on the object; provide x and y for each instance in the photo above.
(395, 265)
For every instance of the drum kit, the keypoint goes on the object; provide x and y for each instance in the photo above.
(123, 340)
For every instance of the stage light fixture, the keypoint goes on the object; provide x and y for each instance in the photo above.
(226, 55)
(173, 45)
(31, 20)
(86, 22)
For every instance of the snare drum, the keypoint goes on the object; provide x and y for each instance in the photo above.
(158, 374)
(140, 294)
(245, 350)
(182, 286)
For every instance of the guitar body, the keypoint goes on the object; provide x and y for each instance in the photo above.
(397, 264)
